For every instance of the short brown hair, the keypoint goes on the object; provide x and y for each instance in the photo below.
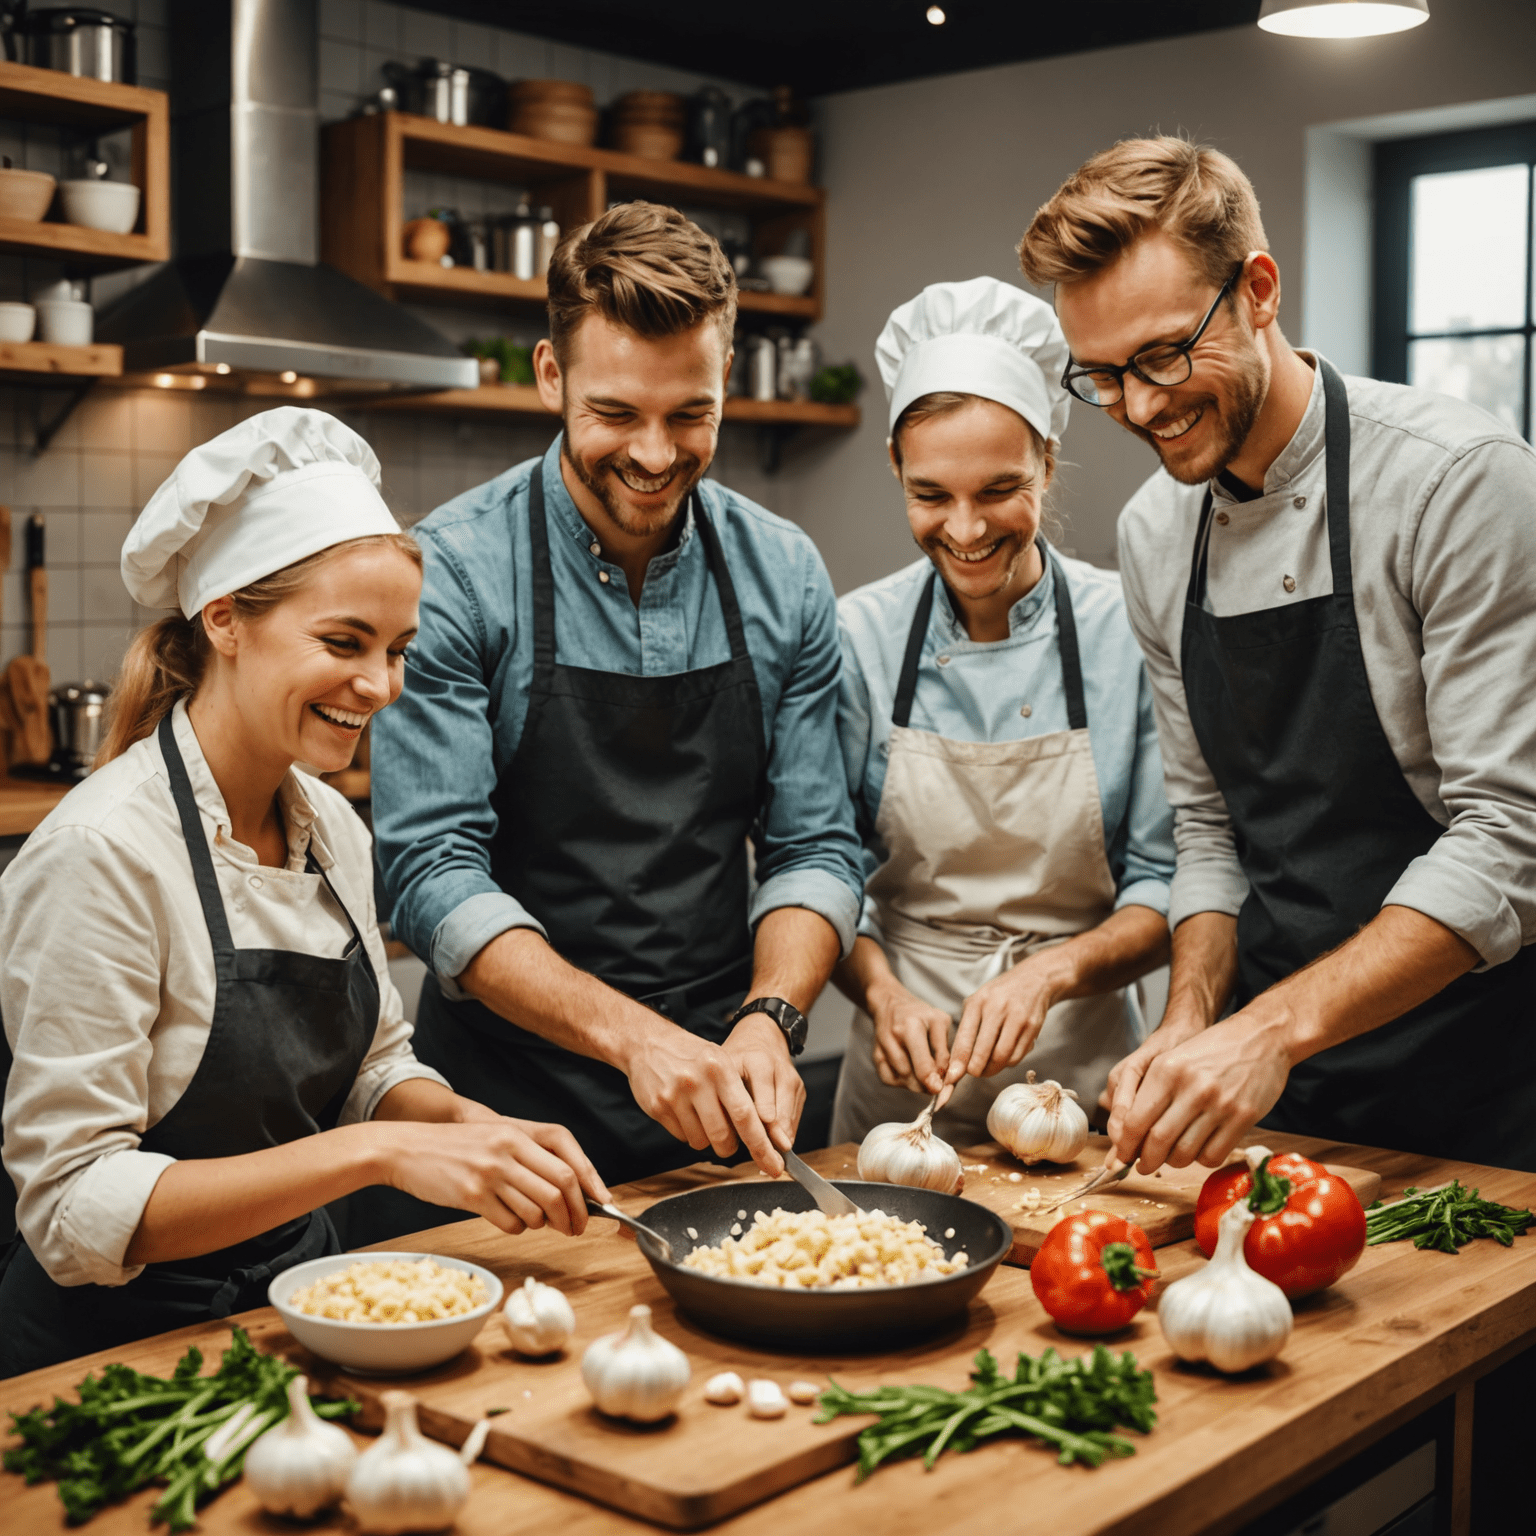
(1193, 193)
(644, 267)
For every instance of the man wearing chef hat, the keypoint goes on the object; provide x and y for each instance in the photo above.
(996, 723)
(625, 672)
(1333, 583)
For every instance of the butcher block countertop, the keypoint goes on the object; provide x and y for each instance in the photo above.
(1400, 1333)
(24, 803)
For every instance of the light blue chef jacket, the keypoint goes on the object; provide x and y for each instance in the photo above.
(1006, 690)
(440, 749)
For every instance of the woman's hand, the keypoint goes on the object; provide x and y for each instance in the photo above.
(516, 1173)
(911, 1038)
(1002, 1019)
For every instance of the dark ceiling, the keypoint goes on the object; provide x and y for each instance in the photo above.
(838, 45)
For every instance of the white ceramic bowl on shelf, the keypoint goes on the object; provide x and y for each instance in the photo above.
(112, 206)
(788, 274)
(65, 322)
(381, 1349)
(17, 322)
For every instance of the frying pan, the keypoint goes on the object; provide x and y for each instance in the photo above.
(830, 1320)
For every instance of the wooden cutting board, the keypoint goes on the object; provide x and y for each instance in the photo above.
(707, 1462)
(1161, 1204)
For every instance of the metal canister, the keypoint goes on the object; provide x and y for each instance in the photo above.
(94, 44)
(79, 725)
(763, 366)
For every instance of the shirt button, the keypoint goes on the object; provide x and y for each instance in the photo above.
(1026, 711)
(255, 882)
(602, 576)
(595, 548)
(943, 660)
(1221, 517)
(1288, 582)
(1298, 501)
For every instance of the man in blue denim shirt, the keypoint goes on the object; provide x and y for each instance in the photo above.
(623, 672)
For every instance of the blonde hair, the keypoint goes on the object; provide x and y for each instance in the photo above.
(1195, 194)
(941, 402)
(168, 658)
(642, 266)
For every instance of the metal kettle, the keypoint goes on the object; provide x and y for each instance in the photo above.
(78, 711)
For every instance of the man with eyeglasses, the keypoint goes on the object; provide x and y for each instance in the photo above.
(1334, 583)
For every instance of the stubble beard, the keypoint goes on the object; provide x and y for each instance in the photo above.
(689, 470)
(1235, 418)
(936, 549)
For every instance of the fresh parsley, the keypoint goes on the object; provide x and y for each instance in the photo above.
(1444, 1219)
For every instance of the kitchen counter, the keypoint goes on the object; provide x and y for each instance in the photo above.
(1404, 1331)
(24, 803)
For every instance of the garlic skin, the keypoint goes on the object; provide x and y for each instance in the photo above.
(726, 1389)
(1225, 1313)
(1038, 1122)
(765, 1400)
(909, 1153)
(538, 1318)
(635, 1373)
(405, 1482)
(300, 1465)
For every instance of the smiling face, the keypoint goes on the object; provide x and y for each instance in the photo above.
(1154, 292)
(306, 676)
(641, 417)
(973, 477)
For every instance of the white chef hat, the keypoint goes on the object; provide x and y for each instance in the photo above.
(277, 488)
(980, 337)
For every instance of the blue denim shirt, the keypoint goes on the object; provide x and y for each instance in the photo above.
(978, 691)
(440, 749)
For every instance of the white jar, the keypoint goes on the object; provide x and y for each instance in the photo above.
(17, 322)
(65, 322)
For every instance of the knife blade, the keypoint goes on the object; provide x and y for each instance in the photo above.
(830, 1200)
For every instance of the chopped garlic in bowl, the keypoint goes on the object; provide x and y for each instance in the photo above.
(391, 1291)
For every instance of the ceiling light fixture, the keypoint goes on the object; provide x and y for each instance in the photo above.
(1342, 18)
(936, 16)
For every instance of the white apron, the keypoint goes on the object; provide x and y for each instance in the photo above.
(996, 850)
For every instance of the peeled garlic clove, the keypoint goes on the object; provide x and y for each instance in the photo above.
(766, 1401)
(803, 1392)
(403, 1481)
(725, 1389)
(1038, 1122)
(910, 1154)
(538, 1318)
(635, 1373)
(300, 1465)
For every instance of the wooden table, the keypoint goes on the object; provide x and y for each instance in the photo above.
(1403, 1331)
(25, 802)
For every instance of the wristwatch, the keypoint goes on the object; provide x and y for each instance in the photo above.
(792, 1023)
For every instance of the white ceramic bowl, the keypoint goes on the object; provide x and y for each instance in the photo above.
(108, 205)
(17, 322)
(788, 274)
(381, 1349)
(65, 322)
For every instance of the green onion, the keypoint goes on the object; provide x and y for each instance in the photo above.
(1444, 1219)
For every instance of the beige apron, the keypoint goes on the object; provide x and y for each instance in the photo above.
(996, 850)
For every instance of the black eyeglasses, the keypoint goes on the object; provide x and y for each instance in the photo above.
(1167, 363)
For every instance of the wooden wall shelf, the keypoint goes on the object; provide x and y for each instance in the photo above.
(364, 161)
(33, 362)
(94, 106)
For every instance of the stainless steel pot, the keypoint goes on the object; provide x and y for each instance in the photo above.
(450, 92)
(77, 41)
(79, 724)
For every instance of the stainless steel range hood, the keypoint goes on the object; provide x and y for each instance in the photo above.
(246, 292)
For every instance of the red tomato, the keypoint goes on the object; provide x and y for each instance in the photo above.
(1310, 1228)
(1094, 1272)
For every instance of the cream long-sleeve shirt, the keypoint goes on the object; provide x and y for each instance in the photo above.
(1442, 526)
(107, 984)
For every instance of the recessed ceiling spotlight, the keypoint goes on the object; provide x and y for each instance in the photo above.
(221, 368)
(936, 17)
(288, 376)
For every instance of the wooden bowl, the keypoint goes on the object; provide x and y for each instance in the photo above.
(564, 122)
(525, 92)
(426, 240)
(650, 141)
(787, 152)
(24, 194)
(651, 107)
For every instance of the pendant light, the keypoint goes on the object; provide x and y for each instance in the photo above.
(1341, 18)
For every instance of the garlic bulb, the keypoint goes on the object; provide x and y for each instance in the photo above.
(538, 1318)
(1038, 1122)
(405, 1482)
(909, 1153)
(300, 1466)
(726, 1389)
(635, 1373)
(1225, 1313)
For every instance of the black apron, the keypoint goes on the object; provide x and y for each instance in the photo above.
(622, 825)
(288, 1034)
(1324, 824)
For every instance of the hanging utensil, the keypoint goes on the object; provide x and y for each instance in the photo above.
(32, 745)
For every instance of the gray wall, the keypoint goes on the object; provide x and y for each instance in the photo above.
(937, 179)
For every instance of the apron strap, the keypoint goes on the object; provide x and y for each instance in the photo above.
(1066, 636)
(714, 557)
(197, 841)
(1195, 596)
(1336, 451)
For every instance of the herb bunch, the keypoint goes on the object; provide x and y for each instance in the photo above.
(189, 1431)
(1070, 1404)
(1444, 1219)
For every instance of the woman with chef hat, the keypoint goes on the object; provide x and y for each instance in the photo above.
(204, 1044)
(997, 729)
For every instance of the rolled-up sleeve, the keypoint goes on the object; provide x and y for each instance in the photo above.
(1472, 583)
(435, 770)
(807, 850)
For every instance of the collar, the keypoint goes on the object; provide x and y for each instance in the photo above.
(1022, 616)
(1298, 455)
(559, 507)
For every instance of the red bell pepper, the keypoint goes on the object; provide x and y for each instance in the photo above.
(1310, 1228)
(1094, 1272)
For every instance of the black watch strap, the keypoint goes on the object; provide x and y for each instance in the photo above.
(792, 1023)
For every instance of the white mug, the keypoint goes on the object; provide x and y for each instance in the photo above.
(66, 322)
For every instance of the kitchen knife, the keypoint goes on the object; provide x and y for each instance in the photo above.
(830, 1200)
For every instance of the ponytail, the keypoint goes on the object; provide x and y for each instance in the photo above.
(166, 661)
